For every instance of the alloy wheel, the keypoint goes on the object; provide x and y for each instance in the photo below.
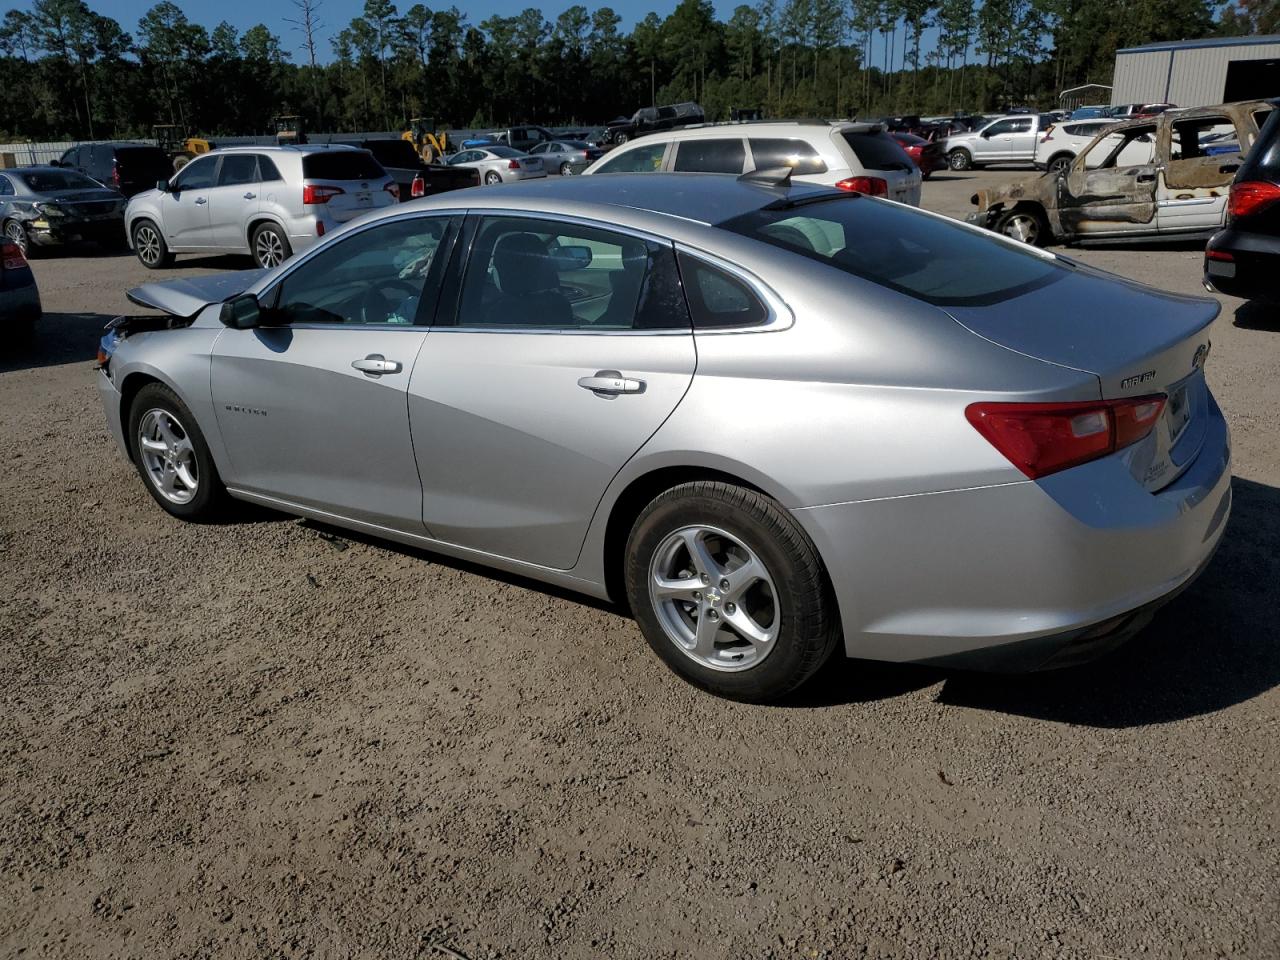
(1060, 165)
(147, 242)
(15, 234)
(1022, 226)
(714, 598)
(958, 160)
(168, 455)
(268, 249)
(491, 178)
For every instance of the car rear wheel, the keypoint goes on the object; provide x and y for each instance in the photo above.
(729, 591)
(148, 243)
(960, 160)
(172, 456)
(566, 169)
(16, 234)
(1025, 224)
(1061, 163)
(492, 177)
(621, 138)
(270, 246)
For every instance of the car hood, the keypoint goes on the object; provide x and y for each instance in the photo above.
(185, 298)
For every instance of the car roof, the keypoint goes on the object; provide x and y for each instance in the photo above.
(684, 196)
(766, 126)
(288, 148)
(40, 168)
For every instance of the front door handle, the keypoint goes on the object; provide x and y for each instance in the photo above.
(1146, 177)
(610, 383)
(375, 365)
(200, 201)
(251, 196)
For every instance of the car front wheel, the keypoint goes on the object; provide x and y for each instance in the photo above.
(16, 234)
(1022, 223)
(960, 160)
(172, 456)
(148, 243)
(729, 591)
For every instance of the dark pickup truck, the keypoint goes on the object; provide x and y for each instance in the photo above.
(413, 177)
(648, 119)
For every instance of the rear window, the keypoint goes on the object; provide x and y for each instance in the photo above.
(140, 160)
(342, 165)
(49, 180)
(393, 153)
(710, 156)
(878, 151)
(503, 151)
(800, 156)
(898, 248)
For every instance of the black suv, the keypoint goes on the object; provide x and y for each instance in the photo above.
(127, 167)
(648, 119)
(1243, 259)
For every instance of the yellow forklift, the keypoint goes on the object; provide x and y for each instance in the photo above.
(179, 144)
(430, 145)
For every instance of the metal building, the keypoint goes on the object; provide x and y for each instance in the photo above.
(1198, 73)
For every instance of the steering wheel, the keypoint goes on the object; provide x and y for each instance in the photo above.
(380, 299)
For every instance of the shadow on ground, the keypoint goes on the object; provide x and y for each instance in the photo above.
(58, 338)
(1258, 315)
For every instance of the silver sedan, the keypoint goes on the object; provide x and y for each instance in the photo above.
(563, 156)
(775, 420)
(499, 164)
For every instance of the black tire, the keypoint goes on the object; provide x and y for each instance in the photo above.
(566, 169)
(16, 233)
(1025, 223)
(270, 246)
(492, 177)
(148, 243)
(210, 495)
(808, 623)
(1060, 163)
(960, 159)
(621, 138)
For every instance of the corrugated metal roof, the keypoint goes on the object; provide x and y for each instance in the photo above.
(1205, 42)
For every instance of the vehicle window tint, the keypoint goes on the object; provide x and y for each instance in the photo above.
(388, 274)
(768, 152)
(267, 169)
(393, 153)
(717, 298)
(710, 156)
(526, 273)
(538, 148)
(238, 168)
(341, 165)
(197, 175)
(69, 159)
(896, 247)
(6, 188)
(644, 159)
(144, 163)
(878, 151)
(999, 127)
(47, 180)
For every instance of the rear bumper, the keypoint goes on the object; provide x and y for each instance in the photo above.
(1251, 272)
(19, 301)
(1022, 575)
(65, 231)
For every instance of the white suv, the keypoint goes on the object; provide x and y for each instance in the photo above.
(851, 156)
(264, 201)
(1059, 143)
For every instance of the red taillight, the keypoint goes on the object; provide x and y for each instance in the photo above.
(1251, 196)
(1043, 438)
(315, 194)
(871, 186)
(513, 164)
(115, 174)
(419, 188)
(11, 256)
(1224, 255)
(393, 189)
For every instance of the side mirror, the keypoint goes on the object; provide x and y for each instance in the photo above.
(241, 313)
(162, 186)
(572, 258)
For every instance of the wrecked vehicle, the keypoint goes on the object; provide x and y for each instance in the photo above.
(1156, 177)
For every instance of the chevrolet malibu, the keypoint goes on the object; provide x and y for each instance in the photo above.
(776, 420)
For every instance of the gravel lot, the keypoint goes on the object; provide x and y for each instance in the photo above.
(265, 739)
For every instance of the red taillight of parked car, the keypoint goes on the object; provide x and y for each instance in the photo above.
(871, 186)
(419, 187)
(513, 164)
(393, 189)
(11, 256)
(317, 194)
(115, 175)
(1251, 196)
(1043, 438)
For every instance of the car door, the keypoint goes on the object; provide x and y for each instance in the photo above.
(566, 346)
(991, 143)
(184, 207)
(1022, 140)
(1111, 186)
(1195, 182)
(233, 201)
(311, 405)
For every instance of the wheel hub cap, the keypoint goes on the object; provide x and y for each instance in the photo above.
(168, 456)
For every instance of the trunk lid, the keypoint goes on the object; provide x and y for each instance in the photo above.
(1137, 341)
(185, 298)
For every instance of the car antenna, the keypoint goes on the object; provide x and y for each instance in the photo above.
(769, 177)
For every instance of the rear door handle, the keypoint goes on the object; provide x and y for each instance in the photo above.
(251, 196)
(610, 383)
(375, 365)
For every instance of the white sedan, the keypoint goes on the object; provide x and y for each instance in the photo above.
(498, 164)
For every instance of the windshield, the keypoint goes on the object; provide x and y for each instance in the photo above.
(894, 246)
(47, 181)
(503, 152)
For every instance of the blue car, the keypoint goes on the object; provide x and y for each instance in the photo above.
(19, 297)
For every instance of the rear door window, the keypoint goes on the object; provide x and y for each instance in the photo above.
(767, 152)
(896, 247)
(237, 169)
(878, 151)
(718, 299)
(341, 165)
(710, 156)
(645, 159)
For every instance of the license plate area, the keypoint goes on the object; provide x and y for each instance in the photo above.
(1178, 412)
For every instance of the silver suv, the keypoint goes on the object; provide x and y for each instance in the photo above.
(264, 201)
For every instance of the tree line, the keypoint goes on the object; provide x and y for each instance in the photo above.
(69, 72)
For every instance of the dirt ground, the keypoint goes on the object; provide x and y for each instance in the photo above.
(262, 740)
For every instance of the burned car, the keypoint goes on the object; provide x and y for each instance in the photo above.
(1153, 178)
